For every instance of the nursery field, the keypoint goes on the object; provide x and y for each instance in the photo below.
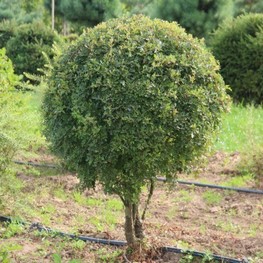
(213, 221)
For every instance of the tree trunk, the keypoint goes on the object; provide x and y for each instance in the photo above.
(129, 227)
(65, 27)
(53, 14)
(137, 222)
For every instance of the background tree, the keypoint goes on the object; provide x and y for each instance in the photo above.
(9, 104)
(86, 12)
(133, 98)
(248, 6)
(21, 11)
(136, 6)
(199, 17)
(238, 45)
(25, 48)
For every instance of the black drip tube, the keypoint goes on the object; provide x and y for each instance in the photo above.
(37, 164)
(118, 243)
(220, 187)
(162, 179)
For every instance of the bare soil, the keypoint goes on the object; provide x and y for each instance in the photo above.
(215, 221)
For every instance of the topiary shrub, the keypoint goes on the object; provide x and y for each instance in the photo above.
(238, 45)
(26, 47)
(133, 98)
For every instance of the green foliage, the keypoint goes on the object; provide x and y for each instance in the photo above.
(6, 249)
(199, 17)
(7, 82)
(26, 47)
(131, 98)
(7, 77)
(12, 229)
(252, 162)
(19, 119)
(238, 45)
(251, 6)
(86, 12)
(212, 198)
(22, 11)
(7, 29)
(136, 6)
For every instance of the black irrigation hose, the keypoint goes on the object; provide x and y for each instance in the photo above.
(37, 164)
(243, 190)
(118, 243)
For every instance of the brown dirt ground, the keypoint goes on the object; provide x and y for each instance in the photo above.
(231, 225)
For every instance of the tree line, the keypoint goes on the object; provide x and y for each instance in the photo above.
(198, 17)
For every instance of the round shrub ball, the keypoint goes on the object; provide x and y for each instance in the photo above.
(133, 97)
(26, 47)
(238, 45)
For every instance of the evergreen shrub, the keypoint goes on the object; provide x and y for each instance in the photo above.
(238, 45)
(133, 98)
(26, 47)
(7, 29)
(7, 82)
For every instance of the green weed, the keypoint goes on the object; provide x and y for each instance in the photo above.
(108, 256)
(228, 226)
(184, 196)
(5, 250)
(48, 209)
(77, 244)
(93, 202)
(61, 194)
(114, 204)
(212, 198)
(239, 181)
(13, 229)
(79, 198)
(97, 223)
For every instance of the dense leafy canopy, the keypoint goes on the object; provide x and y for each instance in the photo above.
(133, 98)
(238, 45)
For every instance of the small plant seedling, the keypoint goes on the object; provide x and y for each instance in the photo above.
(185, 196)
(114, 204)
(79, 198)
(5, 250)
(212, 198)
(93, 202)
(239, 181)
(13, 229)
(77, 244)
(97, 223)
(108, 256)
(61, 194)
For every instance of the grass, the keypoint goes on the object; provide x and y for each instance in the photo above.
(242, 129)
(239, 181)
(212, 198)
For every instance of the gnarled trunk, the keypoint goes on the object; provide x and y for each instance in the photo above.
(138, 230)
(133, 225)
(129, 227)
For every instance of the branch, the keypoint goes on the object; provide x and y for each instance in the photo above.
(149, 198)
